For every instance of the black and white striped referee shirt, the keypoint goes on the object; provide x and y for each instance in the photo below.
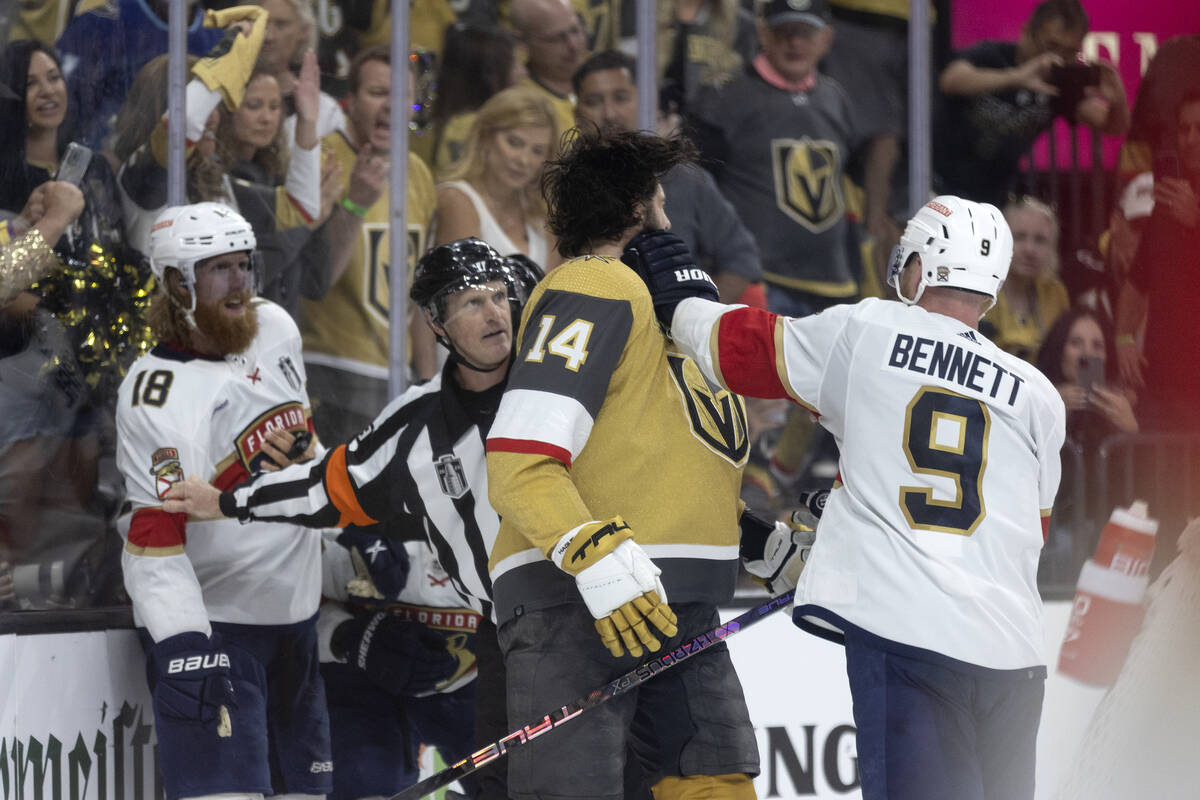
(420, 468)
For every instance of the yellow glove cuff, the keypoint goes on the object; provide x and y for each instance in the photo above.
(582, 547)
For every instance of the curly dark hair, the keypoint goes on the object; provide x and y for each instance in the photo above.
(595, 189)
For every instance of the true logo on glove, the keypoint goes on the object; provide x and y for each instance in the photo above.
(608, 530)
(695, 274)
(193, 663)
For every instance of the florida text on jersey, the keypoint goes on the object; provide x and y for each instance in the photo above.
(419, 466)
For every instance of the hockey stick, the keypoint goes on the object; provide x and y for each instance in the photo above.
(560, 716)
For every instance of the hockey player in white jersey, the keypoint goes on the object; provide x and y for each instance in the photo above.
(925, 562)
(225, 611)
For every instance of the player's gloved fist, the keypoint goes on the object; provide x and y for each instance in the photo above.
(385, 559)
(812, 506)
(669, 270)
(619, 583)
(193, 678)
(398, 656)
(775, 553)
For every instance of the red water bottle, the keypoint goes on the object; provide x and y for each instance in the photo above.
(1108, 598)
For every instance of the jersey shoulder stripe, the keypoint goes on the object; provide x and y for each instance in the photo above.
(541, 423)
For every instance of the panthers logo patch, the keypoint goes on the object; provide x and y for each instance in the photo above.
(166, 469)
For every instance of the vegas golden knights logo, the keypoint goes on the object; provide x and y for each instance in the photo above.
(378, 251)
(808, 181)
(717, 417)
(599, 18)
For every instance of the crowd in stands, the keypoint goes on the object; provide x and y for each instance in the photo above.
(797, 109)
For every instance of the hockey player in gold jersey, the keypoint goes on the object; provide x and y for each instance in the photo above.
(615, 469)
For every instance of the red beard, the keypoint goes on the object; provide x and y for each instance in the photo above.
(228, 335)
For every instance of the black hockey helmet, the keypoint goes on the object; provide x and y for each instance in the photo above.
(528, 274)
(454, 267)
(469, 264)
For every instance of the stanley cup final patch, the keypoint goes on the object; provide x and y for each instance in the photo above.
(451, 476)
(166, 469)
(290, 373)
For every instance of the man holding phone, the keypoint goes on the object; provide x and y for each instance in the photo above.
(1000, 96)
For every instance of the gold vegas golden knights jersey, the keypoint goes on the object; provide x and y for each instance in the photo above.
(600, 418)
(348, 328)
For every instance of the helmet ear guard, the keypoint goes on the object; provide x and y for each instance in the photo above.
(896, 264)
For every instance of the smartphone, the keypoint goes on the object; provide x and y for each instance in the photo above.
(1070, 77)
(74, 163)
(1090, 373)
(1166, 165)
(1071, 80)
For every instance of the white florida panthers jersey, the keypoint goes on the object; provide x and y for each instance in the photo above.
(949, 464)
(178, 414)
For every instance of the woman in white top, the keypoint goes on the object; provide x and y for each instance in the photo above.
(493, 191)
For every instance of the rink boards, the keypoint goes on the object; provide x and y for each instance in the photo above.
(76, 722)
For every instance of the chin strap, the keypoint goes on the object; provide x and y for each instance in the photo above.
(457, 358)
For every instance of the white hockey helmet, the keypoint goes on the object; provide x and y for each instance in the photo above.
(183, 235)
(962, 245)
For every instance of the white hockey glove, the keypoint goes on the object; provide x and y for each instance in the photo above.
(775, 554)
(619, 583)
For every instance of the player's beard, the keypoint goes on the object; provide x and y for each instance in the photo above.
(228, 334)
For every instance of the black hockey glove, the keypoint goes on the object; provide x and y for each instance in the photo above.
(670, 272)
(192, 678)
(398, 656)
(385, 558)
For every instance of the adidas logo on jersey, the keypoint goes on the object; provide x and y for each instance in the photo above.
(193, 663)
(970, 336)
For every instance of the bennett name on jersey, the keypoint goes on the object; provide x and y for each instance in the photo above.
(956, 364)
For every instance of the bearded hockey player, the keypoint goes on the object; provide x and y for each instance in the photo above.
(226, 612)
